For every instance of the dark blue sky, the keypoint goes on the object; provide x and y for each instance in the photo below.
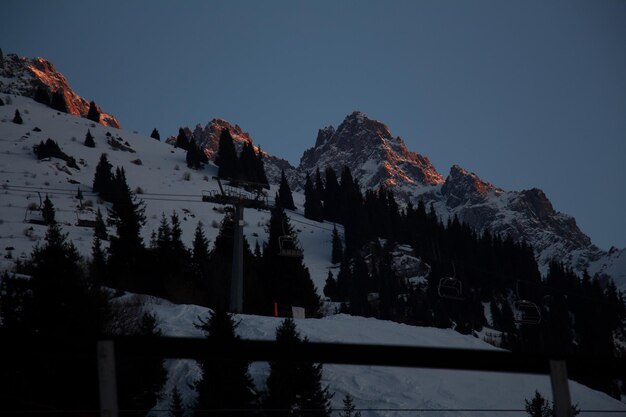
(524, 93)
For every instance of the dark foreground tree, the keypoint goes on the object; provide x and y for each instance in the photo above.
(126, 250)
(295, 387)
(349, 408)
(155, 134)
(225, 385)
(177, 408)
(140, 377)
(58, 304)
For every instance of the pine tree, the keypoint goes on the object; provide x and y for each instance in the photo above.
(538, 406)
(100, 231)
(89, 142)
(42, 96)
(141, 377)
(295, 386)
(97, 266)
(181, 140)
(349, 408)
(93, 113)
(47, 211)
(103, 179)
(226, 158)
(17, 119)
(195, 157)
(224, 384)
(332, 197)
(337, 247)
(177, 408)
(286, 279)
(248, 163)
(126, 248)
(260, 176)
(60, 304)
(313, 208)
(199, 266)
(58, 101)
(285, 198)
(155, 134)
(330, 287)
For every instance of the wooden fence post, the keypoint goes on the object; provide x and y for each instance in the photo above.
(107, 378)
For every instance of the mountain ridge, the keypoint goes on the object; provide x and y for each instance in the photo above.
(24, 76)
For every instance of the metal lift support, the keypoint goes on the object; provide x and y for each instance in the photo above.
(239, 198)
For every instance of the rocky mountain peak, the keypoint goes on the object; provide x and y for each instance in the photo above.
(462, 187)
(24, 76)
(374, 156)
(207, 137)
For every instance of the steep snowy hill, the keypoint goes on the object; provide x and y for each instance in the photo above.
(155, 169)
(379, 387)
(23, 76)
(378, 159)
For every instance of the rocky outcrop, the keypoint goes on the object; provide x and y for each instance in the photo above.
(373, 155)
(207, 138)
(24, 76)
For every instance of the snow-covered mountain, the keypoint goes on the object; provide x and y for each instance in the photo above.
(157, 172)
(378, 159)
(23, 76)
(207, 138)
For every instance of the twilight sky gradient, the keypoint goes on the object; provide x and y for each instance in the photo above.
(523, 93)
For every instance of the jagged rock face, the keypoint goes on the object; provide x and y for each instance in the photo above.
(24, 76)
(207, 138)
(462, 187)
(523, 215)
(373, 155)
(378, 159)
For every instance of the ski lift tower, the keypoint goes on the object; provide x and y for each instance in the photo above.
(239, 194)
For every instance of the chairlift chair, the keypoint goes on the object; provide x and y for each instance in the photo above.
(34, 216)
(450, 288)
(527, 312)
(289, 247)
(85, 218)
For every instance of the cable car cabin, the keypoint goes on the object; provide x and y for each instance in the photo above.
(450, 288)
(527, 312)
(85, 218)
(34, 216)
(289, 247)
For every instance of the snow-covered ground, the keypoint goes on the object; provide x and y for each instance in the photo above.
(167, 185)
(380, 387)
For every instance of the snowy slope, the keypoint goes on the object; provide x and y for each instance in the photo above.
(161, 177)
(379, 387)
